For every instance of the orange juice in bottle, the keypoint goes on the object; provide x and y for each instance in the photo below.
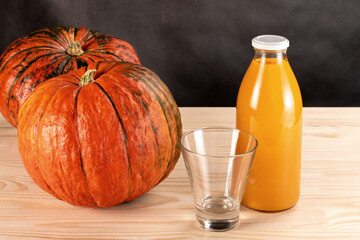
(269, 106)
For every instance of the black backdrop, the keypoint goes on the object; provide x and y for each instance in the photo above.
(201, 48)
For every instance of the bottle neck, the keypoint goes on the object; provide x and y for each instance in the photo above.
(274, 56)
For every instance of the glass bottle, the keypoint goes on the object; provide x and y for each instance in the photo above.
(269, 106)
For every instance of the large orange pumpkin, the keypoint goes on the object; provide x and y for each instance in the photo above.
(50, 52)
(102, 140)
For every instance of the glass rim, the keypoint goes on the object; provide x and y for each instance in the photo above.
(218, 128)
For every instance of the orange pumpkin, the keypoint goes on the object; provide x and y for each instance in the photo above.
(97, 139)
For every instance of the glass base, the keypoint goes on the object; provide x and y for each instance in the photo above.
(217, 224)
(217, 214)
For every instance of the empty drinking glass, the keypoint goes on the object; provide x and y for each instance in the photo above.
(218, 161)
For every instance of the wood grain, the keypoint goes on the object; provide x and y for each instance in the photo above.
(329, 207)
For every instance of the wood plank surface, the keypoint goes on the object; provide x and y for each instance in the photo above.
(329, 207)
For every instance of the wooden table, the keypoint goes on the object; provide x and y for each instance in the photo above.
(329, 207)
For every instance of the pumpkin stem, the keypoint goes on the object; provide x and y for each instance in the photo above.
(74, 49)
(88, 77)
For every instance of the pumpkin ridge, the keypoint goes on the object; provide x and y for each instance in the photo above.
(64, 80)
(60, 33)
(58, 30)
(67, 32)
(108, 68)
(48, 33)
(177, 117)
(167, 96)
(124, 134)
(153, 84)
(95, 54)
(138, 70)
(69, 195)
(69, 64)
(48, 44)
(51, 43)
(20, 73)
(81, 160)
(145, 107)
(23, 70)
(97, 65)
(37, 149)
(88, 58)
(65, 65)
(37, 175)
(89, 35)
(161, 103)
(22, 51)
(19, 41)
(110, 53)
(38, 158)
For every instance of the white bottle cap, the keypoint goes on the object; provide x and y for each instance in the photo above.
(270, 42)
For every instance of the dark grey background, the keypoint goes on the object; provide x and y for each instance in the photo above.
(201, 48)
